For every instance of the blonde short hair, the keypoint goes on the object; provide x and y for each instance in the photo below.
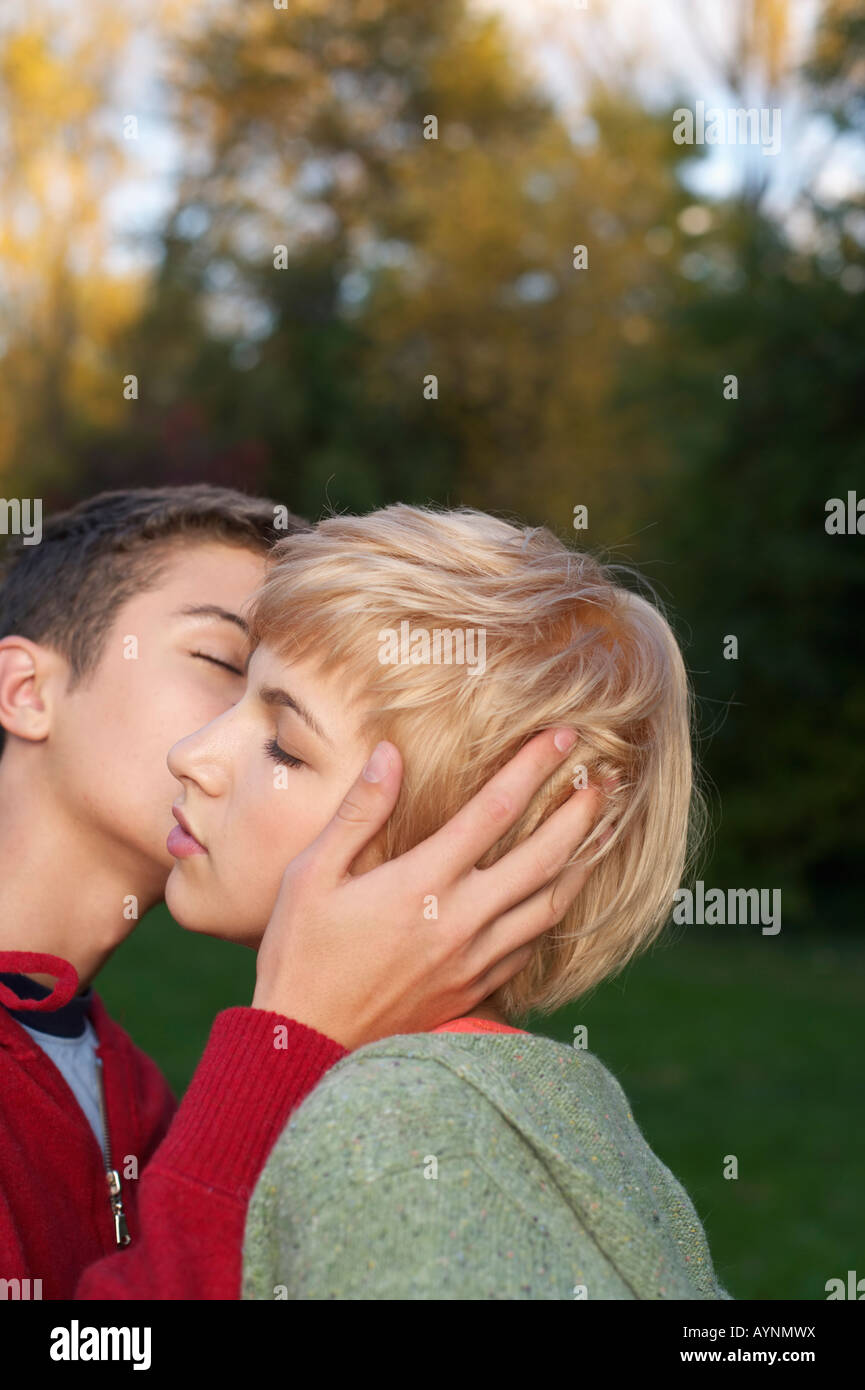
(564, 645)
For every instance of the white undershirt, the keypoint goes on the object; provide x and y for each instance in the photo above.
(76, 1059)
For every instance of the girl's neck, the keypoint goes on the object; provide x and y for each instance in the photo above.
(487, 1010)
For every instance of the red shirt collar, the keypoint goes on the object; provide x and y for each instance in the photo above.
(27, 962)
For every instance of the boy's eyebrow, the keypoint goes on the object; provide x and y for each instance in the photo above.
(273, 695)
(212, 610)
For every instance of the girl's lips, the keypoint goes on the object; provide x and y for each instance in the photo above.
(182, 845)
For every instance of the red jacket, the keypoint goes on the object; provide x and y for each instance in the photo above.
(187, 1210)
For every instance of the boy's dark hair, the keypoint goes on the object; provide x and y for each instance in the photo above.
(93, 558)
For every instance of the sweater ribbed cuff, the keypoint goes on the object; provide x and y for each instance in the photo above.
(256, 1068)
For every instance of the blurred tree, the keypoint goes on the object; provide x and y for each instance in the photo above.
(406, 258)
(60, 309)
(745, 548)
(837, 67)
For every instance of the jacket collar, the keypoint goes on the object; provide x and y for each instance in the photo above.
(21, 962)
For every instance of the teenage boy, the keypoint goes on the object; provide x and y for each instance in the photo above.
(120, 634)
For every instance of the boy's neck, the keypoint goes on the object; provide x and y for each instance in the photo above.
(62, 888)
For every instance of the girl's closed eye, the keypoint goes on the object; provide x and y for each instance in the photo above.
(279, 755)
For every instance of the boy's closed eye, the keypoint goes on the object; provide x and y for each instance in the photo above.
(216, 661)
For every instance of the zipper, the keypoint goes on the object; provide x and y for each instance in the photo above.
(112, 1177)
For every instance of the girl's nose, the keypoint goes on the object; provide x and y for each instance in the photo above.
(202, 757)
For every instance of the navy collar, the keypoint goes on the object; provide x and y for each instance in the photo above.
(66, 1022)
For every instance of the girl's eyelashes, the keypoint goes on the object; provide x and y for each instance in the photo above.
(216, 662)
(279, 755)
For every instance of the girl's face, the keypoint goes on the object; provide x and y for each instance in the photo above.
(260, 782)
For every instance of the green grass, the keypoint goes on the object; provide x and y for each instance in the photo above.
(725, 1042)
(165, 986)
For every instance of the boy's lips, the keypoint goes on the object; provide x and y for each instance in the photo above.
(181, 842)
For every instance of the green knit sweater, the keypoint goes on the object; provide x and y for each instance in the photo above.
(471, 1166)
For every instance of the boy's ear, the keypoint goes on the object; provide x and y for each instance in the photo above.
(28, 677)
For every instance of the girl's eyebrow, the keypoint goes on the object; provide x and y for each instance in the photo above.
(212, 610)
(273, 695)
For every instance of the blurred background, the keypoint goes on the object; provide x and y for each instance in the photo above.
(236, 244)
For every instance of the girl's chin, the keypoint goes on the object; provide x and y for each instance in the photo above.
(222, 931)
(195, 918)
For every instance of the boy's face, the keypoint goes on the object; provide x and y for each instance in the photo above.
(158, 679)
